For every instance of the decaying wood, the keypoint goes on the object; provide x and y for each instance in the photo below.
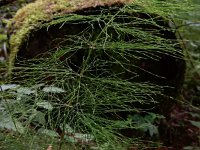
(29, 39)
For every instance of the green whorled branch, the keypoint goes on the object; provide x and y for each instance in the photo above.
(113, 58)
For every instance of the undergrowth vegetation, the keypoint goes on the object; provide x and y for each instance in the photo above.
(100, 81)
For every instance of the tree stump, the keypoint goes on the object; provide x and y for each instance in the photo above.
(115, 40)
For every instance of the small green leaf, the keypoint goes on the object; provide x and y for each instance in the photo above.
(153, 130)
(66, 128)
(45, 105)
(195, 123)
(25, 91)
(7, 86)
(39, 117)
(84, 137)
(195, 115)
(47, 132)
(53, 89)
(8, 123)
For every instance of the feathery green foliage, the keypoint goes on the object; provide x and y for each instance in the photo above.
(92, 80)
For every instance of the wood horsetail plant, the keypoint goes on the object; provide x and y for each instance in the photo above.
(94, 66)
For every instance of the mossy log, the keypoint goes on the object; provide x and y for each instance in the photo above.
(114, 38)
